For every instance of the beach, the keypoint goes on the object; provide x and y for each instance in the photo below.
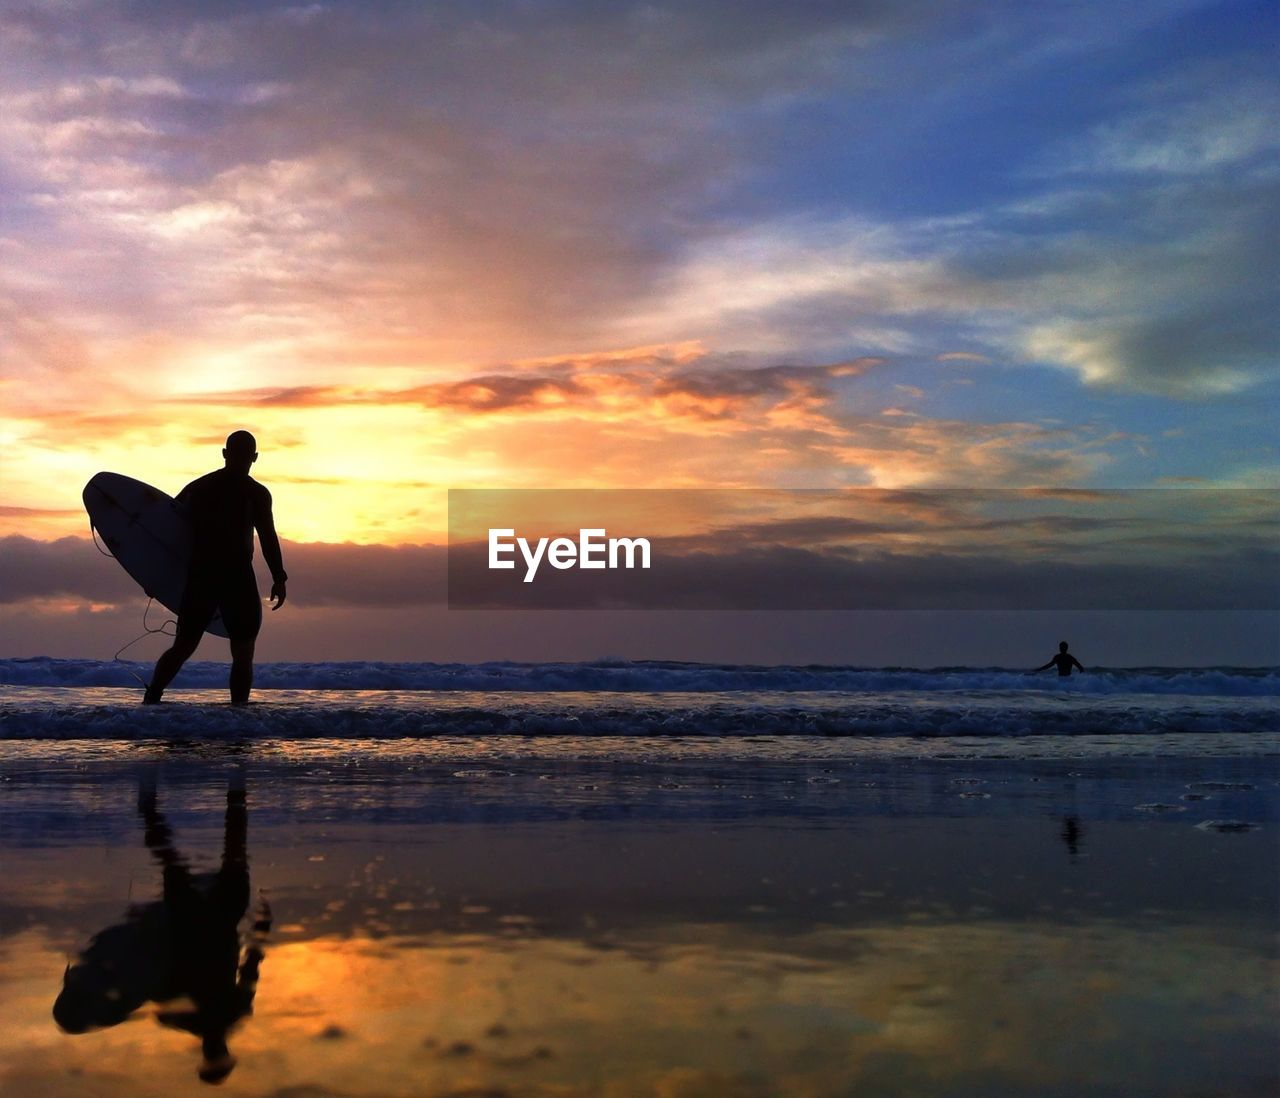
(731, 912)
(639, 550)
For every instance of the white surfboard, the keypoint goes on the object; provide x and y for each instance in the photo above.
(146, 531)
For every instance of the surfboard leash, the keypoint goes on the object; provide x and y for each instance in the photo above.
(93, 533)
(147, 630)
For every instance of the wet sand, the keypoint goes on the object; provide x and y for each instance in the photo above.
(589, 917)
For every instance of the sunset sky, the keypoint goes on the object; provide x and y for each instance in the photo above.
(421, 246)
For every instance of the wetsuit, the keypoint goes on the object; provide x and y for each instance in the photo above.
(225, 508)
(1063, 661)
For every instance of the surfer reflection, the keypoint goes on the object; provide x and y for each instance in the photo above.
(186, 944)
(1070, 834)
(1064, 661)
(225, 507)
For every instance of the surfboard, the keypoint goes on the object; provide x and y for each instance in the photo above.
(147, 532)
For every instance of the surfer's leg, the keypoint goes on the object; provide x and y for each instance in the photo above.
(198, 605)
(241, 607)
(241, 670)
(157, 834)
(170, 663)
(231, 890)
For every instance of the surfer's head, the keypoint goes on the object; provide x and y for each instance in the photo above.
(241, 450)
(96, 994)
(1062, 646)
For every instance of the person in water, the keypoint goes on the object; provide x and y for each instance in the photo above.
(1064, 661)
(225, 507)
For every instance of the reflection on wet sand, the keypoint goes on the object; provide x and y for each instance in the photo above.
(951, 1008)
(1071, 835)
(186, 945)
(723, 929)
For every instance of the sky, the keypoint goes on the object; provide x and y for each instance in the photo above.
(525, 245)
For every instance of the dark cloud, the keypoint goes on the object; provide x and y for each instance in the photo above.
(787, 578)
(862, 549)
(715, 391)
(813, 531)
(7, 511)
(66, 568)
(496, 393)
(367, 575)
(721, 393)
(846, 534)
(867, 638)
(320, 574)
(1158, 549)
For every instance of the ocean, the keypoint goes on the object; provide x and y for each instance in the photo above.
(361, 701)
(638, 878)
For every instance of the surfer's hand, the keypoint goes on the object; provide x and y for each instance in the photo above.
(277, 594)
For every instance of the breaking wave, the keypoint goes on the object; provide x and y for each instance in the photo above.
(610, 676)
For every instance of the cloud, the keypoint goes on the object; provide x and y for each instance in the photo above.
(725, 393)
(67, 567)
(626, 387)
(1158, 260)
(37, 512)
(1137, 256)
(1162, 287)
(1213, 117)
(745, 576)
(791, 578)
(905, 451)
(428, 187)
(936, 549)
(470, 185)
(321, 575)
(619, 244)
(370, 462)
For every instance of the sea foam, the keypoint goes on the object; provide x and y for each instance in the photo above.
(615, 676)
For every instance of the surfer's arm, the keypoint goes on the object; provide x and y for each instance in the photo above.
(247, 976)
(1043, 667)
(247, 981)
(270, 542)
(1077, 663)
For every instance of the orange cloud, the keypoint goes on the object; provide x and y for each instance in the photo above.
(368, 462)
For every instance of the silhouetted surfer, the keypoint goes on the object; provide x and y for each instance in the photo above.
(1064, 661)
(225, 507)
(185, 945)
